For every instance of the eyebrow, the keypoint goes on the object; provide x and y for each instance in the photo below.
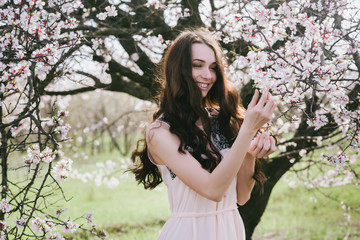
(200, 60)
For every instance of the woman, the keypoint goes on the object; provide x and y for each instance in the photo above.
(201, 142)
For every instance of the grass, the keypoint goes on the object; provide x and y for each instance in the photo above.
(129, 212)
(302, 214)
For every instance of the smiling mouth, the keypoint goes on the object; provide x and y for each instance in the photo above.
(203, 86)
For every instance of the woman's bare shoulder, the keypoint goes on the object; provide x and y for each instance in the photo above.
(157, 126)
(157, 130)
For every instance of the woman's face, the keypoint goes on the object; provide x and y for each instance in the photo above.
(203, 67)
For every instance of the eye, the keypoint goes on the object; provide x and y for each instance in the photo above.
(196, 65)
(213, 68)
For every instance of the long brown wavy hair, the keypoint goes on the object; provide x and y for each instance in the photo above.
(181, 104)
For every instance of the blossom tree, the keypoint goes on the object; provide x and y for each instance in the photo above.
(36, 39)
(304, 51)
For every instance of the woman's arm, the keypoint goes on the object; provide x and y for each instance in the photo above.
(163, 146)
(262, 146)
(245, 181)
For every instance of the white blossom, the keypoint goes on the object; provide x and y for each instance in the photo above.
(302, 153)
(20, 223)
(111, 11)
(62, 169)
(101, 16)
(4, 206)
(70, 226)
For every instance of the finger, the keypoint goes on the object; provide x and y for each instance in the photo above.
(273, 146)
(270, 106)
(266, 146)
(260, 145)
(254, 99)
(269, 101)
(263, 98)
(253, 145)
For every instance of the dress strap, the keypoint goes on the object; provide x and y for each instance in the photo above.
(163, 120)
(202, 214)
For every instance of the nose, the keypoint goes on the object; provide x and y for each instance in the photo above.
(206, 73)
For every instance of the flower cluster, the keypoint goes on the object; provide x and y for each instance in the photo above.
(70, 226)
(2, 226)
(110, 12)
(2, 229)
(41, 27)
(338, 159)
(330, 178)
(35, 156)
(292, 70)
(89, 217)
(304, 59)
(60, 211)
(317, 121)
(62, 169)
(346, 209)
(45, 226)
(55, 236)
(58, 119)
(38, 42)
(4, 206)
(99, 176)
(62, 129)
(20, 223)
(100, 233)
(157, 4)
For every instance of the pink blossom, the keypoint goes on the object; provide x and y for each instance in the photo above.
(338, 159)
(4, 206)
(62, 169)
(217, 35)
(282, 148)
(89, 217)
(186, 12)
(111, 11)
(302, 153)
(101, 16)
(20, 223)
(294, 118)
(35, 156)
(62, 113)
(135, 57)
(60, 211)
(37, 225)
(47, 155)
(63, 130)
(317, 121)
(157, 4)
(55, 236)
(3, 226)
(70, 226)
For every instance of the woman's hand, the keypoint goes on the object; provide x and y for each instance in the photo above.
(262, 146)
(258, 114)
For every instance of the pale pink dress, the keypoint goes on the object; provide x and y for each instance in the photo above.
(194, 217)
